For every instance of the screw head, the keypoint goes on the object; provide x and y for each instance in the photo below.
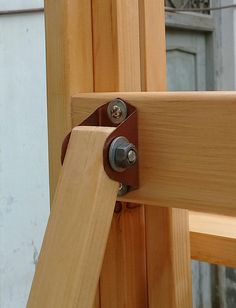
(117, 111)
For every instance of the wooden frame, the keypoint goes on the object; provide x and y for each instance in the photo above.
(106, 45)
(104, 25)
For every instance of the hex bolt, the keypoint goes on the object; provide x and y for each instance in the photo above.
(122, 154)
(132, 156)
(117, 111)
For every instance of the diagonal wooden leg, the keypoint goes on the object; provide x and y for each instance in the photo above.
(72, 253)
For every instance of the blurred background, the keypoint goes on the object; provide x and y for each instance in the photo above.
(200, 56)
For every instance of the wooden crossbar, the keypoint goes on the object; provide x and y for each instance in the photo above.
(187, 147)
(213, 238)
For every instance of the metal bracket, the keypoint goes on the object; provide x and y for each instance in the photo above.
(123, 116)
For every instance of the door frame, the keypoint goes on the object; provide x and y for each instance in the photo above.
(210, 26)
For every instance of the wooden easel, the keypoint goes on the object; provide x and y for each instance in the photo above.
(119, 46)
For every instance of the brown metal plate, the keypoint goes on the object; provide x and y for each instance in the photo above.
(128, 128)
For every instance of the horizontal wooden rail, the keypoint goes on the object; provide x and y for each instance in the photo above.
(213, 238)
(187, 147)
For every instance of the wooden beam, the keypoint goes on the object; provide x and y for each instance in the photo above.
(72, 253)
(153, 45)
(69, 69)
(187, 147)
(168, 267)
(117, 68)
(213, 238)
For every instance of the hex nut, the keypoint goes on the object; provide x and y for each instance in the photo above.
(119, 151)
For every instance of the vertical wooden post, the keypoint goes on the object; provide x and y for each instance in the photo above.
(96, 46)
(167, 230)
(69, 69)
(117, 68)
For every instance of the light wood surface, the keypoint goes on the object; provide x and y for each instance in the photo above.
(213, 238)
(168, 268)
(117, 68)
(187, 148)
(72, 253)
(70, 66)
(153, 45)
(69, 69)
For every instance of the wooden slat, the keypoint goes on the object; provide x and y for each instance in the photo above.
(187, 148)
(69, 69)
(213, 238)
(117, 68)
(72, 253)
(168, 267)
(153, 45)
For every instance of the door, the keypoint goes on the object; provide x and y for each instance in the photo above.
(186, 60)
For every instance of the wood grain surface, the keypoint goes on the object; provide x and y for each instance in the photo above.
(116, 53)
(213, 238)
(187, 147)
(72, 253)
(69, 69)
(168, 268)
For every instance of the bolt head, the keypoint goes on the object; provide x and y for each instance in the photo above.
(125, 155)
(132, 156)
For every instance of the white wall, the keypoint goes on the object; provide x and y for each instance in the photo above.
(24, 192)
(20, 4)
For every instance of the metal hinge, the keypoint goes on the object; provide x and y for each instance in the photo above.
(120, 153)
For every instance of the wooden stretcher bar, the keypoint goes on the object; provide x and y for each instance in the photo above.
(187, 147)
(213, 238)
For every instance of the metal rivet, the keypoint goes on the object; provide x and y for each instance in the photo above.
(117, 111)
